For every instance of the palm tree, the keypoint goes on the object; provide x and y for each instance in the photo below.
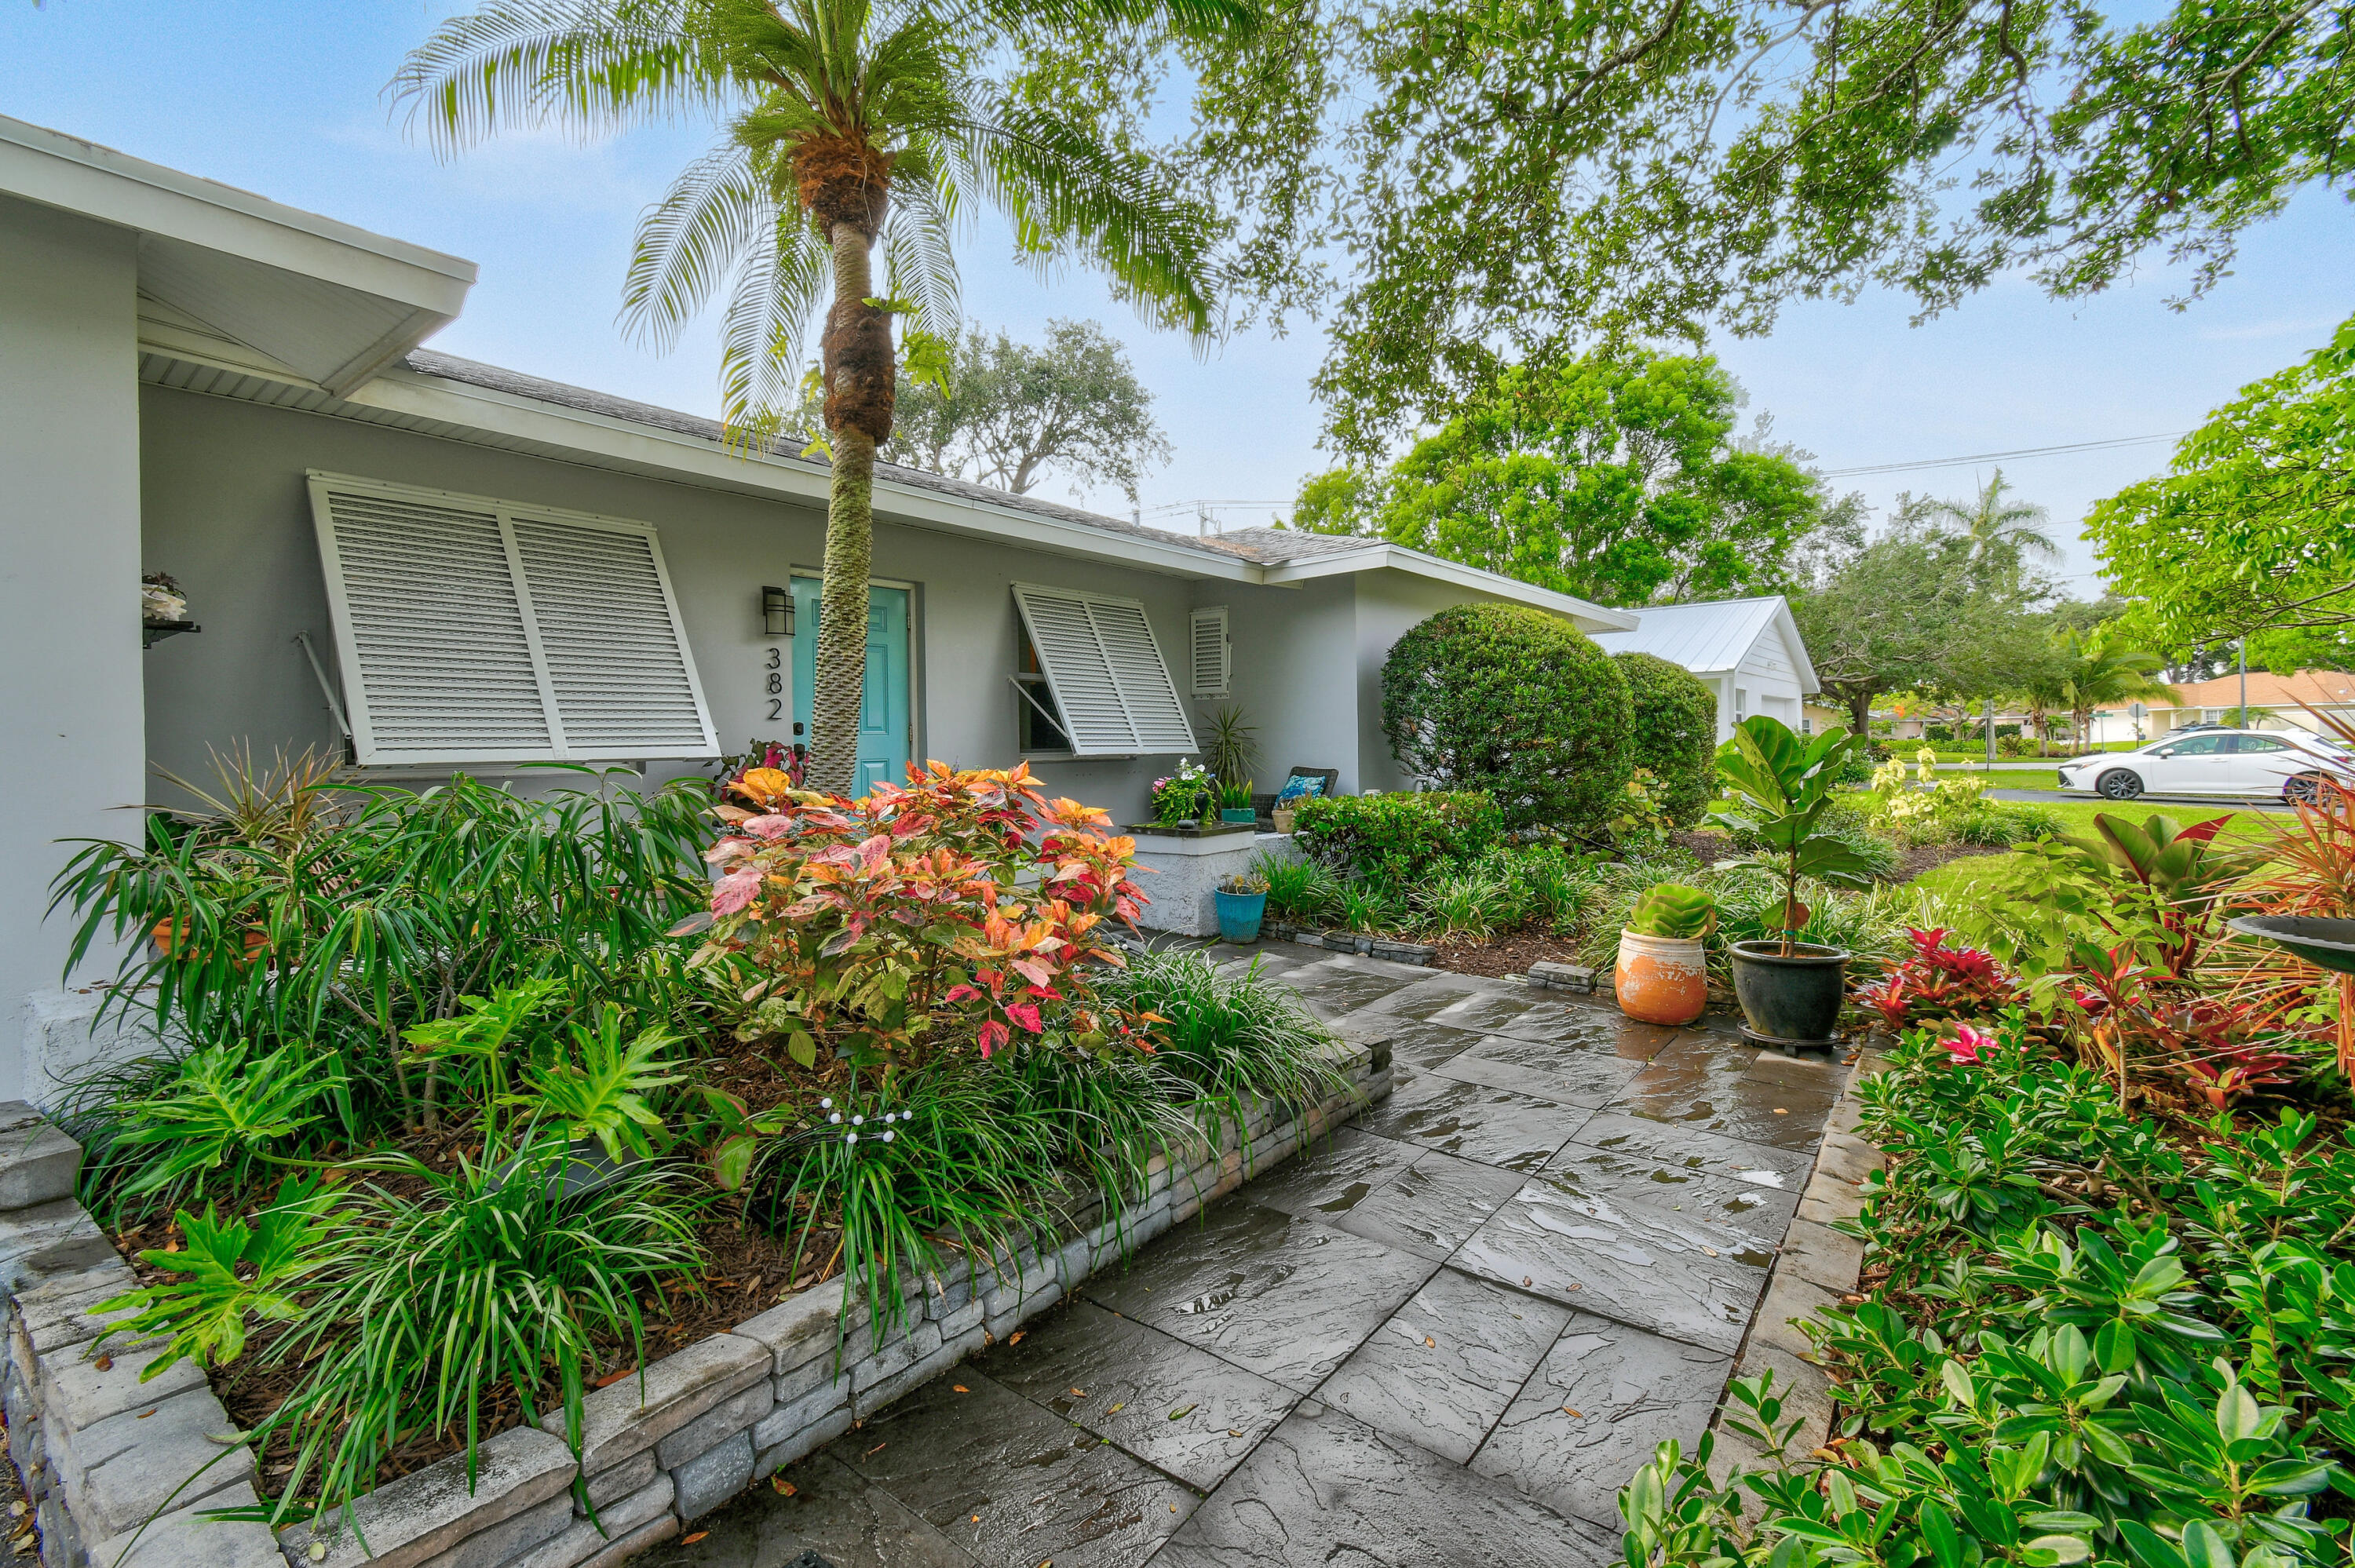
(2095, 676)
(2000, 532)
(845, 122)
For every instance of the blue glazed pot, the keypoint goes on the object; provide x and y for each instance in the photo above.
(1243, 815)
(1238, 915)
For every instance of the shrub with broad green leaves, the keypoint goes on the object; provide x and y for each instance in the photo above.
(1400, 839)
(1674, 733)
(1518, 705)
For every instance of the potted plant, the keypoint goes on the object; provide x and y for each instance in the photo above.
(1662, 976)
(1243, 903)
(1186, 797)
(1235, 804)
(1790, 990)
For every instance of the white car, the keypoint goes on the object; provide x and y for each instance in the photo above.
(2244, 763)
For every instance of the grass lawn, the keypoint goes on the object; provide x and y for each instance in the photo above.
(1955, 878)
(2008, 778)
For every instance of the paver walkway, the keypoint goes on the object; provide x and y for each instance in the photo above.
(1446, 1338)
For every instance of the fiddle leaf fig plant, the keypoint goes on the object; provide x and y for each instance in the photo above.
(1781, 783)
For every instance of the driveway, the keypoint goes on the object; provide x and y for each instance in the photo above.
(1444, 1339)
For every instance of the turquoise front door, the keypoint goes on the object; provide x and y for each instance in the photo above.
(883, 715)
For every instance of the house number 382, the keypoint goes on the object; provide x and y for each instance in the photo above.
(776, 683)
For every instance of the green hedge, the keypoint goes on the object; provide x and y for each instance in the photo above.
(1674, 732)
(1516, 703)
(1401, 839)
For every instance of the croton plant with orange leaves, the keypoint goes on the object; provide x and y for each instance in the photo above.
(961, 911)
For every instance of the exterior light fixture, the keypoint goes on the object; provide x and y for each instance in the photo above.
(777, 612)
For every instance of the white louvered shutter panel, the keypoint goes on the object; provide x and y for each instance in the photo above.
(437, 655)
(1105, 672)
(470, 631)
(610, 633)
(1155, 714)
(1207, 641)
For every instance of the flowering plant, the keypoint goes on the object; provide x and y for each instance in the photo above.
(936, 916)
(1939, 981)
(1186, 795)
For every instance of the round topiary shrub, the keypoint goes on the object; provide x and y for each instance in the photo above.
(1514, 702)
(1674, 732)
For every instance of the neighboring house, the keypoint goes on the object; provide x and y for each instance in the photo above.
(2275, 702)
(1747, 649)
(442, 565)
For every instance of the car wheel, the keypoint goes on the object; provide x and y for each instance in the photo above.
(2303, 790)
(2118, 784)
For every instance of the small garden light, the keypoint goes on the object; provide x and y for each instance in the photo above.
(777, 612)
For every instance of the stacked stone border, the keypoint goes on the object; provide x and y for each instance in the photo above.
(1383, 948)
(123, 1472)
(1818, 1265)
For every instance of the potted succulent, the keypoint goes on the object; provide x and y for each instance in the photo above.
(1790, 990)
(1243, 903)
(1662, 976)
(1235, 804)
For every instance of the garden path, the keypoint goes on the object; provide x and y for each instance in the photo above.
(1446, 1338)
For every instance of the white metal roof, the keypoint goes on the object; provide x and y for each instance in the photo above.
(1713, 636)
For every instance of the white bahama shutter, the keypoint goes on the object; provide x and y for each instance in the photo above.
(473, 630)
(1211, 654)
(1106, 672)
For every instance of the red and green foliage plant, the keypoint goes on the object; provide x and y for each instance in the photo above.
(1938, 982)
(898, 925)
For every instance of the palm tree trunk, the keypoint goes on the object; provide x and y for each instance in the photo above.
(858, 386)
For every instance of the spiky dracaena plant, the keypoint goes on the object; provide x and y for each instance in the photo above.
(845, 122)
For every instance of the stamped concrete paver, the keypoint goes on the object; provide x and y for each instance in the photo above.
(1443, 1337)
(1444, 1367)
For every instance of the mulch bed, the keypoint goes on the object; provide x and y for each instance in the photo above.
(1510, 954)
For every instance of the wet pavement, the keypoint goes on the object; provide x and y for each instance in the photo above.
(1443, 1339)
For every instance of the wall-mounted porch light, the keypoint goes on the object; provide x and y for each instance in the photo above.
(777, 612)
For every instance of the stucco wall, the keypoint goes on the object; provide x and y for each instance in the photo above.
(226, 513)
(1294, 674)
(69, 705)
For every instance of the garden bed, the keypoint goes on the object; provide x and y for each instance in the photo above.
(484, 1109)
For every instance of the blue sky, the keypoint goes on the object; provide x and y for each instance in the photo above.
(284, 99)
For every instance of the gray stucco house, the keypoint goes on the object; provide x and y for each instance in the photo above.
(441, 565)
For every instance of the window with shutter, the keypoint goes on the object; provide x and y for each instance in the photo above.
(475, 631)
(1211, 654)
(1113, 692)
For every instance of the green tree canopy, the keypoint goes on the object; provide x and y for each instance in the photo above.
(1614, 477)
(2252, 527)
(1454, 183)
(1009, 413)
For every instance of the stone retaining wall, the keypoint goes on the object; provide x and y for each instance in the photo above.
(121, 1470)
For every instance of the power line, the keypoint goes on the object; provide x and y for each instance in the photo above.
(1993, 457)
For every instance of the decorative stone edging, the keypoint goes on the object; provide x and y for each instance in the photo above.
(1816, 1267)
(1383, 948)
(103, 1455)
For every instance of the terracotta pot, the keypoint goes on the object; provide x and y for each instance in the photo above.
(1282, 818)
(1661, 980)
(166, 937)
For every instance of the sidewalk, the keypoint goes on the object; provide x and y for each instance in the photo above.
(1446, 1339)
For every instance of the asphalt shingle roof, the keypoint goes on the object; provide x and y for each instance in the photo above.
(474, 373)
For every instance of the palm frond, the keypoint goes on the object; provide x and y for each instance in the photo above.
(599, 65)
(718, 211)
(779, 289)
(919, 259)
(1055, 179)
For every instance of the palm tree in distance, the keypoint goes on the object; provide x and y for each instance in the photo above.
(2095, 675)
(846, 123)
(2001, 531)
